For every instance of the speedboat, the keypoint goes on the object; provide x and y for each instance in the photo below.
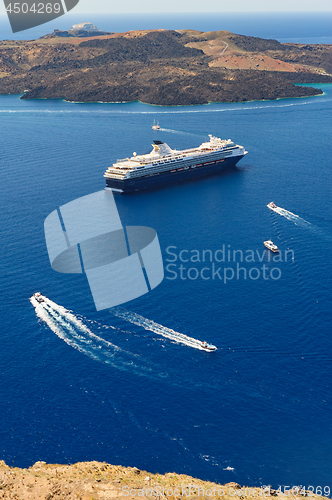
(272, 205)
(39, 298)
(208, 347)
(155, 125)
(271, 246)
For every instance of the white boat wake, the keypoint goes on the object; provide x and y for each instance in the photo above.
(150, 325)
(181, 132)
(279, 103)
(301, 222)
(290, 216)
(76, 334)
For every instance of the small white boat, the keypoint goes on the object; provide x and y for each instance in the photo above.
(39, 298)
(155, 125)
(208, 347)
(271, 246)
(272, 206)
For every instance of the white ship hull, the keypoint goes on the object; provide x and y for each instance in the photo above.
(165, 166)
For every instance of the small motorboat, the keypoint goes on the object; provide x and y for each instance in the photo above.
(39, 298)
(155, 125)
(271, 246)
(208, 347)
(272, 206)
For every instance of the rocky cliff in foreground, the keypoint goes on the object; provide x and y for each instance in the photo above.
(102, 481)
(162, 67)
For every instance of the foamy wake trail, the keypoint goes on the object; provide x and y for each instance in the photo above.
(76, 334)
(181, 132)
(293, 217)
(303, 223)
(276, 104)
(150, 325)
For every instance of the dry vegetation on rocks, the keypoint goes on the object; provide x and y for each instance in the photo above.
(102, 481)
(162, 67)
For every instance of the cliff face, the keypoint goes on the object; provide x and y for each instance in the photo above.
(162, 67)
(102, 481)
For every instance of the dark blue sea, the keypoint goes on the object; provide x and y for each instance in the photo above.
(122, 385)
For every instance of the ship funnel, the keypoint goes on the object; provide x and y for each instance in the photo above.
(161, 148)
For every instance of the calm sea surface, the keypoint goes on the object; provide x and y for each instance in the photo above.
(301, 27)
(122, 385)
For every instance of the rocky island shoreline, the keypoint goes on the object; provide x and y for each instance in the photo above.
(162, 67)
(102, 481)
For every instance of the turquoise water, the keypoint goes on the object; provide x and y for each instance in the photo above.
(124, 385)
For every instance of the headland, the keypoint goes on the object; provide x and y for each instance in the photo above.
(162, 67)
(102, 481)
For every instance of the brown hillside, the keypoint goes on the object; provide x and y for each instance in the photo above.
(162, 67)
(102, 481)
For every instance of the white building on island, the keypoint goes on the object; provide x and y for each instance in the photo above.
(85, 27)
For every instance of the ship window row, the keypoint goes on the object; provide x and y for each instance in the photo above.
(150, 172)
(121, 176)
(187, 163)
(180, 158)
(183, 162)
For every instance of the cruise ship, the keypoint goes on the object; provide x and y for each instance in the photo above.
(167, 166)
